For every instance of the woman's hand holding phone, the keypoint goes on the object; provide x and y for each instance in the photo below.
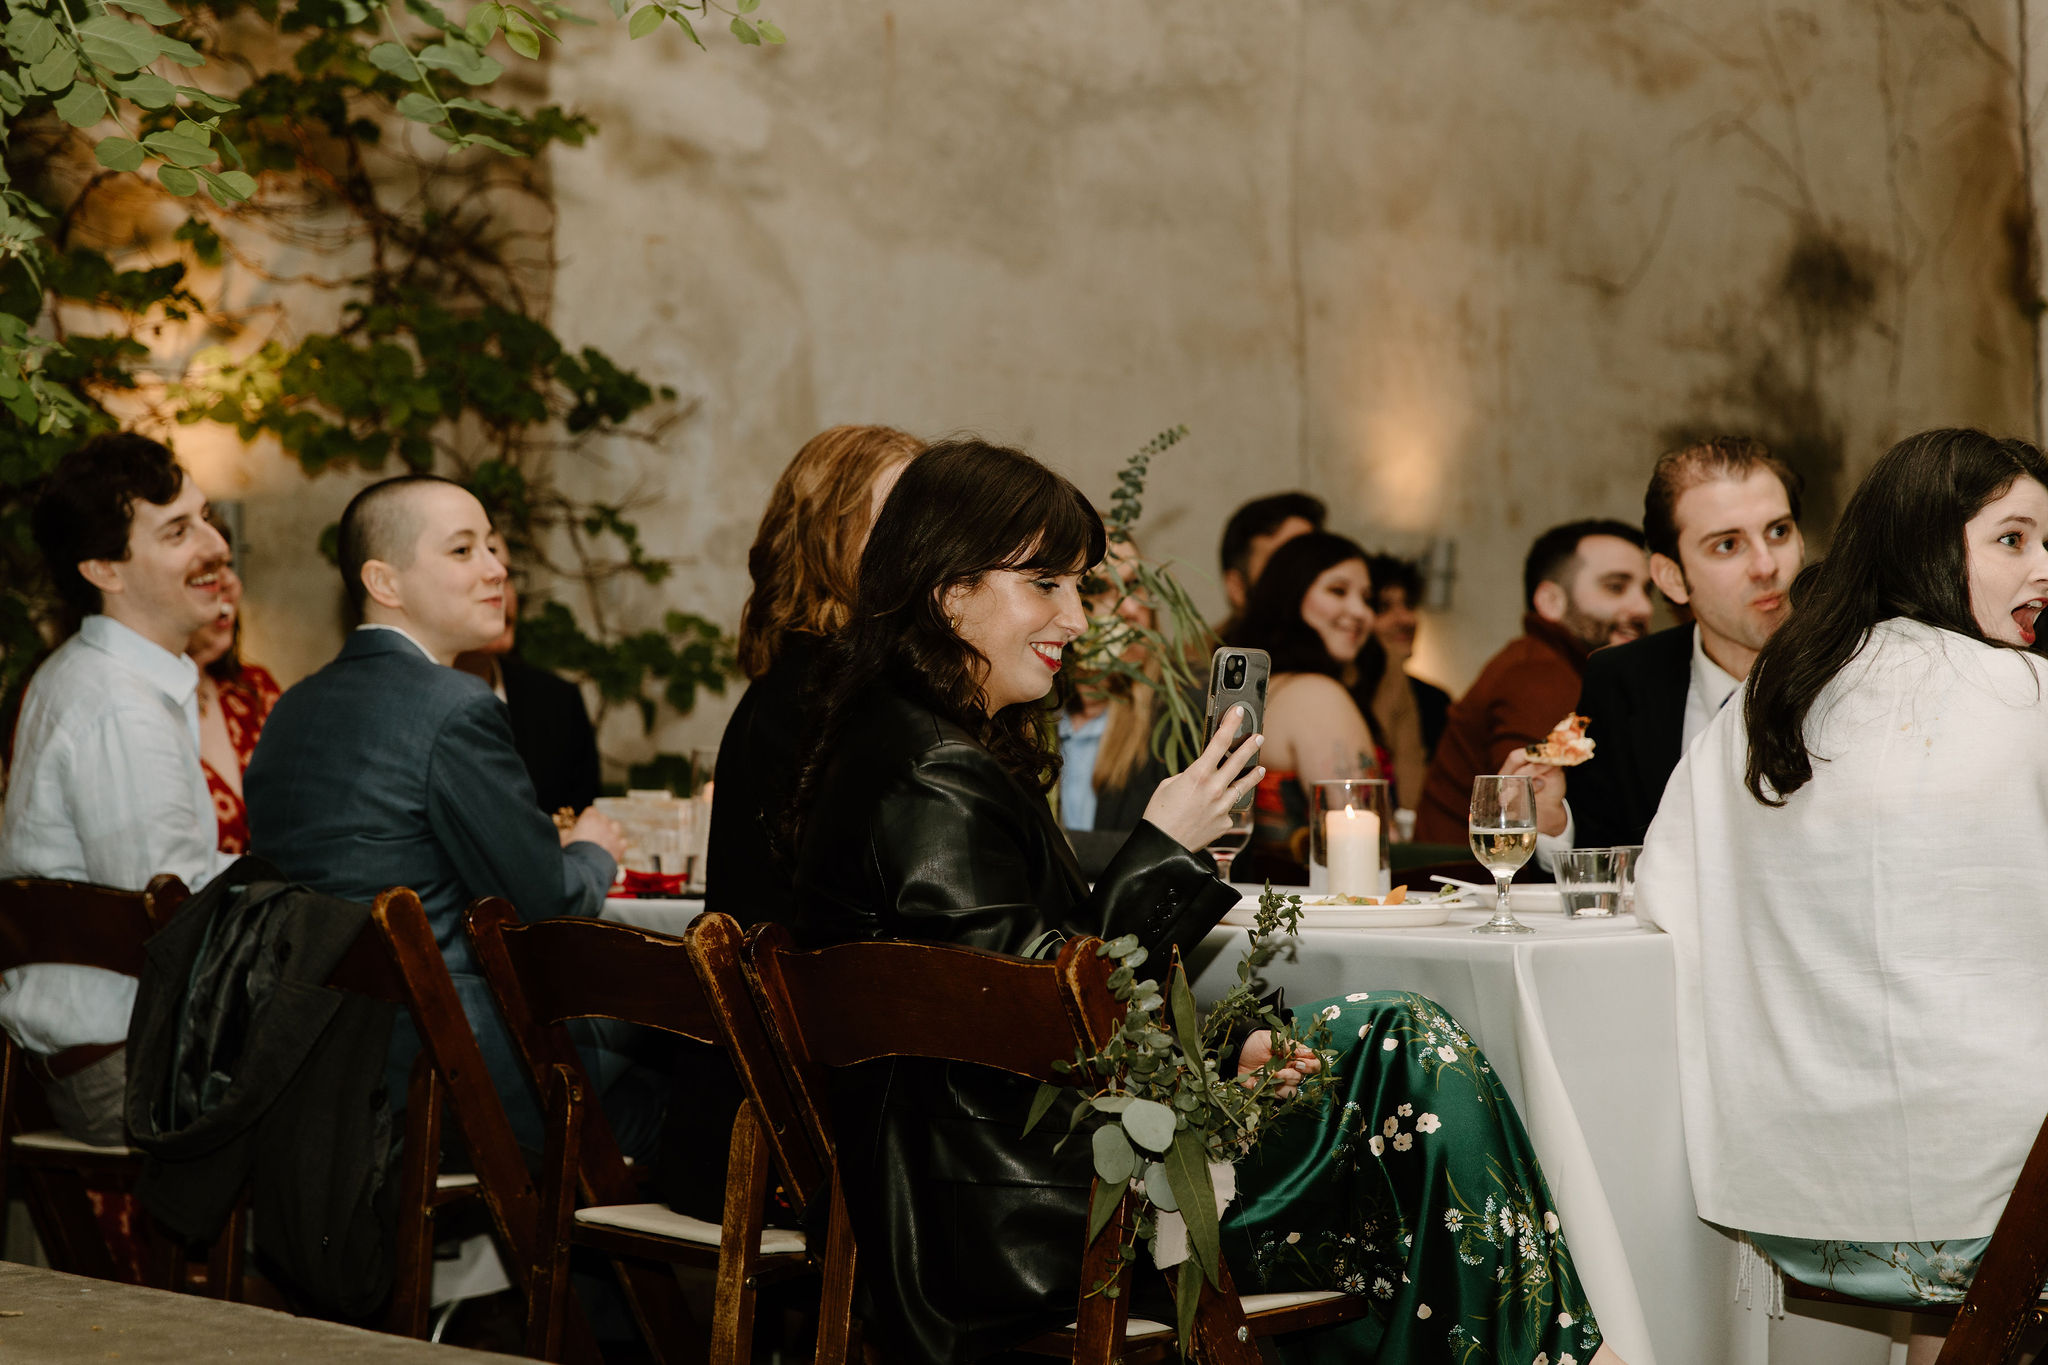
(1193, 807)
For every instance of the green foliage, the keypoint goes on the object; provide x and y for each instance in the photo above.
(1169, 657)
(1159, 1109)
(437, 361)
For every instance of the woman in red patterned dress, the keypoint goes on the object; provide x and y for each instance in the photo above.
(234, 700)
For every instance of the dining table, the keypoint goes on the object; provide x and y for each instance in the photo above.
(1577, 1020)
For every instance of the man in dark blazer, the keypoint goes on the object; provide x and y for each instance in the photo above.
(1722, 521)
(390, 768)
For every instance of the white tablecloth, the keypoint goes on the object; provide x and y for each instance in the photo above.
(1578, 1022)
(667, 915)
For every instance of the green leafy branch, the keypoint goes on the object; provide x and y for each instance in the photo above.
(1159, 1110)
(1169, 657)
(649, 17)
(438, 360)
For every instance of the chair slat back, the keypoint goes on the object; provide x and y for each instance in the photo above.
(82, 925)
(596, 969)
(861, 1002)
(549, 972)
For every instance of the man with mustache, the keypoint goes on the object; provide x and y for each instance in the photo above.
(1586, 584)
(390, 767)
(106, 785)
(1722, 521)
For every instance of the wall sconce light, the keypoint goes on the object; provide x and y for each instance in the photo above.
(1439, 572)
(228, 515)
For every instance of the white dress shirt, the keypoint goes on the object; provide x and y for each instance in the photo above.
(1859, 1005)
(1709, 691)
(401, 630)
(106, 788)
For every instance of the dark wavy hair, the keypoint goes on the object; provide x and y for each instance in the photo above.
(1272, 614)
(961, 510)
(1898, 551)
(87, 507)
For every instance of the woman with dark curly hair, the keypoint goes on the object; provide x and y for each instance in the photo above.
(923, 815)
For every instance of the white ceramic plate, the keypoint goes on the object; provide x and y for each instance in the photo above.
(1523, 900)
(1407, 915)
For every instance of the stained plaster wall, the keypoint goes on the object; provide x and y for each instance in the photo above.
(1462, 268)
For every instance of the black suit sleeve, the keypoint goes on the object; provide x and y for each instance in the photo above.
(1596, 788)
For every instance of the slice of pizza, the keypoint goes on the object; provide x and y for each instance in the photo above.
(1567, 745)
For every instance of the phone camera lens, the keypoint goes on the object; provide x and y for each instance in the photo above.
(1233, 675)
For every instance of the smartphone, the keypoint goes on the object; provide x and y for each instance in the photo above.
(1237, 677)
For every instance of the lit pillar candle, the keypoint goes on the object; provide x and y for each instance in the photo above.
(1352, 837)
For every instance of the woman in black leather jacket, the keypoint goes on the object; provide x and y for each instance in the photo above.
(923, 814)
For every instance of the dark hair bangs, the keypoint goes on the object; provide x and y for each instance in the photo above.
(1060, 532)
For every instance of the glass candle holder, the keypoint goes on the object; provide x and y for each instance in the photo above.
(1350, 828)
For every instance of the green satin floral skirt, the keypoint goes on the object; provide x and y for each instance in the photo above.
(1417, 1187)
(1901, 1274)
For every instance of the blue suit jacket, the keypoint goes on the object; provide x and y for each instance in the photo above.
(387, 769)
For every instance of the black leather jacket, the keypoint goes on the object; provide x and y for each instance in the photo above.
(970, 1233)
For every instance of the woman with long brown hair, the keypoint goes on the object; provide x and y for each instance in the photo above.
(805, 558)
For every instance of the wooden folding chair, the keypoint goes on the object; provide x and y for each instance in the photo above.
(82, 925)
(862, 1002)
(547, 973)
(404, 961)
(2005, 1299)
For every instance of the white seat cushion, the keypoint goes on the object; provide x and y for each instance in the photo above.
(1135, 1327)
(50, 1140)
(660, 1220)
(1253, 1304)
(1273, 1303)
(460, 1180)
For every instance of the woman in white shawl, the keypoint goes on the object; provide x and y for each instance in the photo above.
(1850, 866)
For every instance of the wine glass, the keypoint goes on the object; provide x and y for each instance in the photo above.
(1225, 847)
(1503, 832)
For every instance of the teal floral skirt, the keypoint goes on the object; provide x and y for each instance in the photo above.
(1898, 1274)
(1415, 1186)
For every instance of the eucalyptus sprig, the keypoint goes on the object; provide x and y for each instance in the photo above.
(1159, 1108)
(1169, 657)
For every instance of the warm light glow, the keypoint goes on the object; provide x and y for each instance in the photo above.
(1405, 445)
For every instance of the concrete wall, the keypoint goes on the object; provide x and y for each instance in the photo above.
(1461, 267)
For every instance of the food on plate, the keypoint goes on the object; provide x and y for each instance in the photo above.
(1566, 746)
(1394, 897)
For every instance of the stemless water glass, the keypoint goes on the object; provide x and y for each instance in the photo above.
(1626, 856)
(1502, 825)
(1225, 847)
(1588, 882)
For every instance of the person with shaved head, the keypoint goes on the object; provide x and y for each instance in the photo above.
(390, 767)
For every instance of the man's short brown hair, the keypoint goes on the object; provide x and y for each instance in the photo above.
(1689, 466)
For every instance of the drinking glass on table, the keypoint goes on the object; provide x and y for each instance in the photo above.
(1626, 856)
(1588, 882)
(1502, 825)
(1225, 847)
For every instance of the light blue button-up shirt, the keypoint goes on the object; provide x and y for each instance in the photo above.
(1080, 742)
(106, 787)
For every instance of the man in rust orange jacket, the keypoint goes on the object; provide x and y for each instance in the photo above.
(1587, 586)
